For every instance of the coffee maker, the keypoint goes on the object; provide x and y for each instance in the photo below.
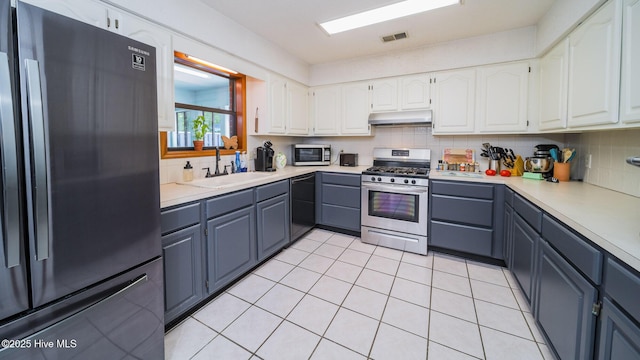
(264, 157)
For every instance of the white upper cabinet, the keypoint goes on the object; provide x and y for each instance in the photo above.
(341, 110)
(502, 97)
(415, 92)
(277, 94)
(384, 95)
(145, 32)
(409, 92)
(594, 68)
(297, 109)
(454, 98)
(355, 109)
(554, 76)
(325, 109)
(630, 87)
(88, 12)
(288, 104)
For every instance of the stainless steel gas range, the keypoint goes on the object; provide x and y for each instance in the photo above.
(394, 199)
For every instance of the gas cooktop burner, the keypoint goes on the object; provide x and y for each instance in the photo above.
(398, 170)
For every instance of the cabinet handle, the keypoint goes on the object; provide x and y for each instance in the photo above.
(117, 24)
(108, 22)
(633, 160)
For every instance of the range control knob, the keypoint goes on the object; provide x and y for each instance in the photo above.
(393, 180)
(406, 181)
(413, 182)
(379, 179)
(373, 178)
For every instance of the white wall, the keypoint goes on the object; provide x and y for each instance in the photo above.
(504, 46)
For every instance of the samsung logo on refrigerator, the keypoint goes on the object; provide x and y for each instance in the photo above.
(137, 60)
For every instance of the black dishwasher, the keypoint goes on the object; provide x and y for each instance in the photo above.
(303, 207)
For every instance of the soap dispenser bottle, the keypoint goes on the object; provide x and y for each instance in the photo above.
(187, 173)
(238, 163)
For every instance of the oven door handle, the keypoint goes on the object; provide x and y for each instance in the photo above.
(396, 188)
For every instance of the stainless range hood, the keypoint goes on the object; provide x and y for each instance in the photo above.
(414, 117)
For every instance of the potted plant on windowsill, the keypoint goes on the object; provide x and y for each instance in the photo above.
(200, 128)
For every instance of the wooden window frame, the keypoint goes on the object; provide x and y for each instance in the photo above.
(241, 123)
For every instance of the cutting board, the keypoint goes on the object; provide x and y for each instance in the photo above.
(454, 156)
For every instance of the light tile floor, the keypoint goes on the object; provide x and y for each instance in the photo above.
(329, 296)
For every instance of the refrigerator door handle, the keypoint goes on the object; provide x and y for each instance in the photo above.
(39, 136)
(11, 207)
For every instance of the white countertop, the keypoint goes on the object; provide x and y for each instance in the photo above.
(176, 194)
(608, 218)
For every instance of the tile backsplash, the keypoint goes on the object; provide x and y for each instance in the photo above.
(422, 137)
(608, 150)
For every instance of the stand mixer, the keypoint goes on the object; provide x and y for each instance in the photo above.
(541, 162)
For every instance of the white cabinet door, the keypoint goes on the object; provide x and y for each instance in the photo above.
(277, 105)
(89, 12)
(503, 94)
(355, 109)
(384, 95)
(630, 95)
(297, 109)
(140, 30)
(415, 92)
(553, 88)
(326, 110)
(454, 98)
(594, 68)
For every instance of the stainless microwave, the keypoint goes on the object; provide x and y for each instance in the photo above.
(311, 154)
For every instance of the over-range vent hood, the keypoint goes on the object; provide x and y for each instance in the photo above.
(414, 117)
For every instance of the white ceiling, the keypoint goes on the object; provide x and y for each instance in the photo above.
(293, 24)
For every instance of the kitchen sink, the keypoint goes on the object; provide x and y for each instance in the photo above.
(227, 180)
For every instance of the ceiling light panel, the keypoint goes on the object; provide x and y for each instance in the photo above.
(385, 13)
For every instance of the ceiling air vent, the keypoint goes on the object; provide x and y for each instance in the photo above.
(394, 37)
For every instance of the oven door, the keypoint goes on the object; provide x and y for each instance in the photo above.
(395, 207)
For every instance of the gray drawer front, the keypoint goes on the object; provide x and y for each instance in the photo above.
(341, 217)
(529, 212)
(624, 287)
(341, 195)
(269, 191)
(585, 257)
(468, 211)
(461, 237)
(178, 218)
(341, 179)
(480, 191)
(508, 196)
(228, 203)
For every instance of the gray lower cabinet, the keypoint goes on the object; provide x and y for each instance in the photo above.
(619, 336)
(273, 219)
(620, 316)
(523, 254)
(182, 257)
(563, 306)
(339, 204)
(467, 217)
(508, 227)
(231, 238)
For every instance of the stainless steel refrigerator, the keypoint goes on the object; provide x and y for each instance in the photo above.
(80, 252)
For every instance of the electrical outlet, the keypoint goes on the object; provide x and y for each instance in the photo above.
(588, 165)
